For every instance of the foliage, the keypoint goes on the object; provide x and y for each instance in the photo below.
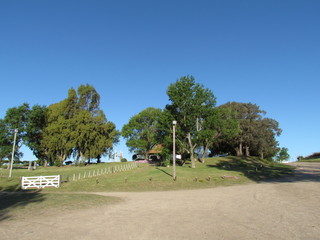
(141, 131)
(256, 136)
(5, 141)
(190, 104)
(76, 126)
(16, 118)
(283, 155)
(220, 123)
(36, 122)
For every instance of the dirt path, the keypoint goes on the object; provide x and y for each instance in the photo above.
(287, 209)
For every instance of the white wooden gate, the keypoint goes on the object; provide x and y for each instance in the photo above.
(40, 182)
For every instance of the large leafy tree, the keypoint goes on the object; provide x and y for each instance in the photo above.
(142, 130)
(191, 103)
(94, 136)
(283, 155)
(220, 123)
(16, 118)
(29, 123)
(36, 123)
(5, 142)
(256, 136)
(76, 126)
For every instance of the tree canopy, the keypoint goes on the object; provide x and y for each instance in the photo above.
(191, 103)
(256, 136)
(141, 131)
(77, 127)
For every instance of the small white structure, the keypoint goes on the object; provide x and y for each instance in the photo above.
(40, 182)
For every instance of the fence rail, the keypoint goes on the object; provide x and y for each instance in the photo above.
(102, 171)
(40, 182)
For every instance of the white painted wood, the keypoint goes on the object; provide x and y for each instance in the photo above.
(40, 182)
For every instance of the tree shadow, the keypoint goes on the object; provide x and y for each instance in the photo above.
(259, 170)
(303, 172)
(10, 199)
(165, 172)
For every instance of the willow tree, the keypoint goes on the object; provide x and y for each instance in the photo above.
(77, 127)
(93, 136)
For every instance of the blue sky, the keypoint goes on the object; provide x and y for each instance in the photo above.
(263, 52)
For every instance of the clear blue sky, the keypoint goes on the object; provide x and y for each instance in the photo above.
(263, 52)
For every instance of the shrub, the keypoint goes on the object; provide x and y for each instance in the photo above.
(124, 160)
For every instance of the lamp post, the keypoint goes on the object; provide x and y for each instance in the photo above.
(12, 155)
(174, 123)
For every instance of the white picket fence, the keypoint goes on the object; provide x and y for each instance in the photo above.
(40, 182)
(103, 171)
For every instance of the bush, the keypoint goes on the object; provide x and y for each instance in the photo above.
(124, 160)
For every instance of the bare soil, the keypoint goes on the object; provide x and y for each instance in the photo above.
(279, 209)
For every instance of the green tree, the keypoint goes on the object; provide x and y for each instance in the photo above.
(221, 123)
(283, 155)
(16, 118)
(88, 99)
(142, 130)
(5, 142)
(35, 125)
(256, 136)
(76, 126)
(93, 136)
(191, 103)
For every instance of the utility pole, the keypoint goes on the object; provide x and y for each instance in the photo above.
(12, 155)
(174, 123)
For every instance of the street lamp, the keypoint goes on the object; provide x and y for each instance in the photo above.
(12, 155)
(174, 123)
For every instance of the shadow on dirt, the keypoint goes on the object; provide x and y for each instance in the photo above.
(304, 172)
(12, 199)
(258, 170)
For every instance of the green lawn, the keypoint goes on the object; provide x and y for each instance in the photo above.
(15, 203)
(214, 172)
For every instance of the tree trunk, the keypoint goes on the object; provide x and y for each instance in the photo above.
(192, 147)
(239, 150)
(83, 158)
(247, 151)
(204, 153)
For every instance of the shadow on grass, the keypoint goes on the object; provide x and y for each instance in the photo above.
(165, 172)
(262, 170)
(10, 199)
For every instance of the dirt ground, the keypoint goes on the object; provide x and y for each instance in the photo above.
(280, 209)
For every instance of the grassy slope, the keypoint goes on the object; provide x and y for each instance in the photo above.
(214, 172)
(310, 160)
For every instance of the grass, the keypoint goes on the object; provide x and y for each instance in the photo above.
(213, 173)
(310, 160)
(23, 205)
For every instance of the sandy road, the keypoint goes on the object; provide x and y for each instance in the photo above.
(289, 209)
